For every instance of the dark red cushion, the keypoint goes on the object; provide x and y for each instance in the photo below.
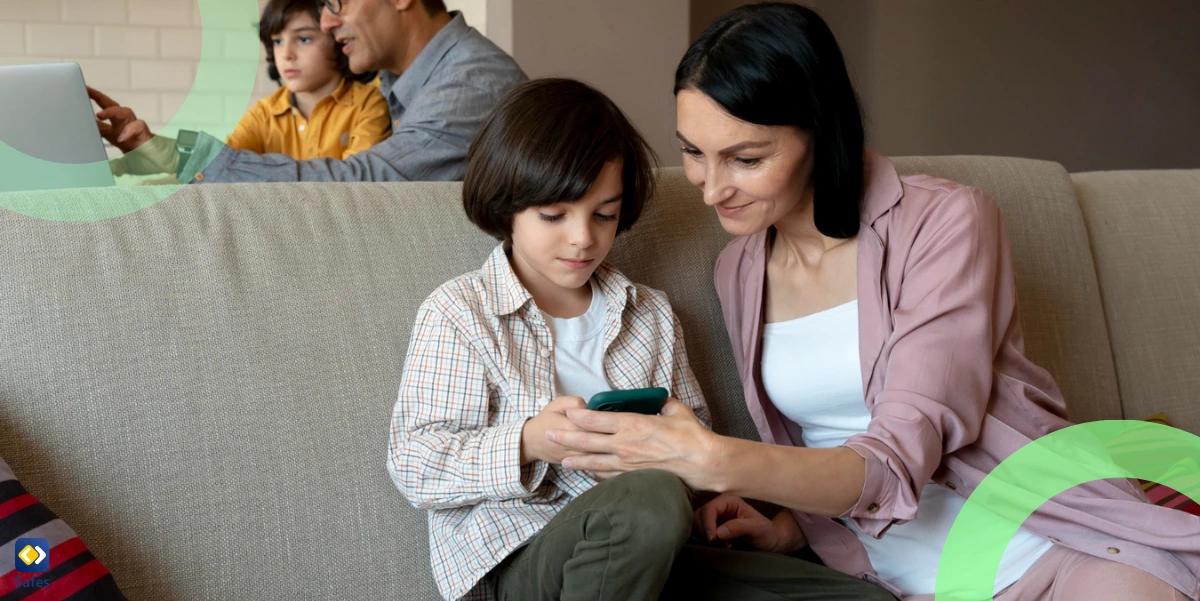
(73, 573)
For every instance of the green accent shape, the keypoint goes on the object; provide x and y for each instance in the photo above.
(225, 77)
(1044, 468)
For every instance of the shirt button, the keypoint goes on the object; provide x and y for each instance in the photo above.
(873, 507)
(1113, 550)
(301, 128)
(545, 353)
(199, 177)
(396, 123)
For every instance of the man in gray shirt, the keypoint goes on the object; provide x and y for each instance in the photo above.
(441, 79)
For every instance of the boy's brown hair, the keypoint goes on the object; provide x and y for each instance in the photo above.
(546, 143)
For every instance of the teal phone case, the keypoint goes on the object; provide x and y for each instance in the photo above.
(647, 401)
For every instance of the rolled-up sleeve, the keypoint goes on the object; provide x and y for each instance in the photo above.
(938, 378)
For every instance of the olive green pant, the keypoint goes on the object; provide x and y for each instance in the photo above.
(626, 539)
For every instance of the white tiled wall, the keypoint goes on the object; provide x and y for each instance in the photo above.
(142, 53)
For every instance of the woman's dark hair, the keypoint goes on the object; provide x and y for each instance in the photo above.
(274, 20)
(777, 63)
(546, 143)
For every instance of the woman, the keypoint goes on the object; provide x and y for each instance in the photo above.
(874, 323)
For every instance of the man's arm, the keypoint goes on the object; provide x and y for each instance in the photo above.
(429, 145)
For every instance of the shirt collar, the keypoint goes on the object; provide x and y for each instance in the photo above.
(284, 100)
(280, 102)
(882, 188)
(406, 85)
(505, 294)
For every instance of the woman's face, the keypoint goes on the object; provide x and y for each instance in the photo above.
(751, 174)
(556, 248)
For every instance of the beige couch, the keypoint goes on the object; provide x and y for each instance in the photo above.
(202, 388)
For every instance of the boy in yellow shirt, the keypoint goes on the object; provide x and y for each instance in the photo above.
(322, 110)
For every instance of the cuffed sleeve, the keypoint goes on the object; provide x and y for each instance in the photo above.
(952, 309)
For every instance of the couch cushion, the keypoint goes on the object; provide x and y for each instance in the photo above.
(1143, 228)
(1061, 314)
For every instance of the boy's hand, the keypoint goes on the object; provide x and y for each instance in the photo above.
(123, 128)
(534, 444)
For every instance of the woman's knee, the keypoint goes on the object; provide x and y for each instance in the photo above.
(1097, 579)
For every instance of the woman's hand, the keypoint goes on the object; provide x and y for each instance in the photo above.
(613, 443)
(729, 518)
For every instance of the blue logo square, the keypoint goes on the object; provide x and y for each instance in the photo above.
(32, 554)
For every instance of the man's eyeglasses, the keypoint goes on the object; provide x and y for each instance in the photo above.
(333, 6)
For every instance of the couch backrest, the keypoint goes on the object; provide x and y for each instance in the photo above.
(1143, 227)
(203, 388)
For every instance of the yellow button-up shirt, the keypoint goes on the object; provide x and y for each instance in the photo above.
(350, 120)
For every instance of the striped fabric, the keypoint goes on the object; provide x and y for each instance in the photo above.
(74, 574)
(480, 363)
(1165, 495)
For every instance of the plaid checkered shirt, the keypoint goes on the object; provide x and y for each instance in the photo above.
(480, 363)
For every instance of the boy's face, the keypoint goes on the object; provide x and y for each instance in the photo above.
(556, 248)
(304, 55)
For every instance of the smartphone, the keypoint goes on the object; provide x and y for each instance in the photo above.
(647, 401)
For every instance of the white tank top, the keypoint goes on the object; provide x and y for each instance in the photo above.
(812, 373)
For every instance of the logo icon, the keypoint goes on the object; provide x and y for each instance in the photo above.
(33, 554)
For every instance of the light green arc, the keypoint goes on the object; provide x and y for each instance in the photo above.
(1044, 468)
(226, 72)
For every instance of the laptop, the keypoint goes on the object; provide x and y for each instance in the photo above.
(46, 113)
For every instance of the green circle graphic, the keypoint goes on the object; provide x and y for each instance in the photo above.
(1044, 468)
(224, 78)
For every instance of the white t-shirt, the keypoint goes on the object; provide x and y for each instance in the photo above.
(579, 349)
(812, 373)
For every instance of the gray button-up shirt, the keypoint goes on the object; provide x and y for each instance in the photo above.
(437, 106)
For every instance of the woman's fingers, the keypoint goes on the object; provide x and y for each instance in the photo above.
(586, 442)
(598, 421)
(718, 509)
(594, 463)
(752, 528)
(676, 407)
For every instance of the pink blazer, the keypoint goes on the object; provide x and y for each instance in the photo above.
(950, 392)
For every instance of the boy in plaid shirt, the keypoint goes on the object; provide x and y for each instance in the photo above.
(498, 356)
